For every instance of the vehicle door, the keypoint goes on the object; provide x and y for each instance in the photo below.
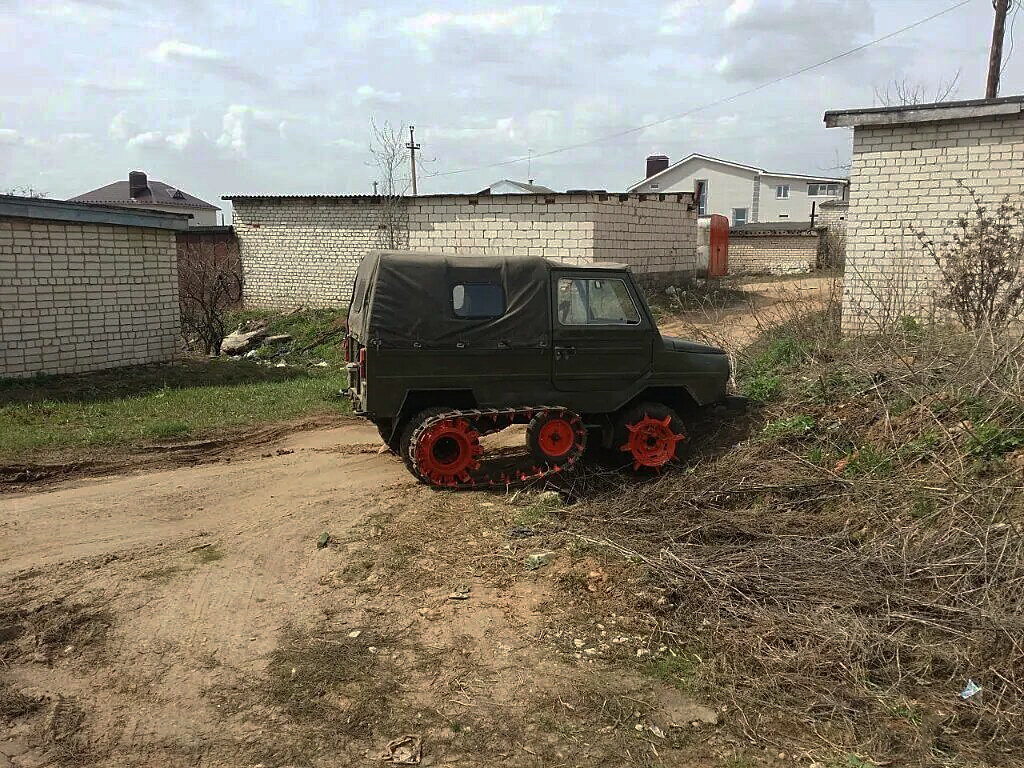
(602, 339)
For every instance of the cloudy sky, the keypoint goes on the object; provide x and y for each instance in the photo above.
(276, 96)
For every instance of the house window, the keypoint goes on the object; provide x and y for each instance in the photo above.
(782, 192)
(474, 300)
(823, 190)
(702, 196)
(655, 186)
(783, 215)
(595, 301)
(739, 216)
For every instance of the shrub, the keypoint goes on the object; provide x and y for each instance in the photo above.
(981, 264)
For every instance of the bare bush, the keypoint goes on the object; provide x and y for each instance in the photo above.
(209, 284)
(832, 250)
(982, 264)
(840, 574)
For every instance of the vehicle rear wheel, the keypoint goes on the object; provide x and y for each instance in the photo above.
(556, 437)
(441, 452)
(651, 434)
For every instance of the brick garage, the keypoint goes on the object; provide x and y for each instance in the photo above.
(305, 249)
(84, 287)
(773, 249)
(910, 167)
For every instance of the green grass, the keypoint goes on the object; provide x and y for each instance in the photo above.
(794, 426)
(61, 415)
(679, 671)
(306, 327)
(761, 387)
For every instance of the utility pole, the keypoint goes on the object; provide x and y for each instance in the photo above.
(412, 146)
(375, 189)
(995, 56)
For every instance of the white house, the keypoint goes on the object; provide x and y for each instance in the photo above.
(509, 187)
(743, 193)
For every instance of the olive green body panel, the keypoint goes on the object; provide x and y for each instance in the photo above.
(592, 369)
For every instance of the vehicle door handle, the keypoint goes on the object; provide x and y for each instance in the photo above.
(564, 353)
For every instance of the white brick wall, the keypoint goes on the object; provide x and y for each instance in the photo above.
(81, 297)
(772, 254)
(305, 250)
(905, 178)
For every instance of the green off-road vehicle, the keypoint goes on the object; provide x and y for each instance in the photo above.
(444, 349)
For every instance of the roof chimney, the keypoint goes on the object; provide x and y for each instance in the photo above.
(656, 164)
(138, 185)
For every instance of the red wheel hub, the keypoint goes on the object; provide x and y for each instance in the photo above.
(651, 442)
(446, 452)
(556, 437)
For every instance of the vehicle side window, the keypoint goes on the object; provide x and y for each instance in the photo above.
(595, 301)
(358, 296)
(476, 300)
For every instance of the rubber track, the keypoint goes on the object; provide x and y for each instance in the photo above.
(490, 420)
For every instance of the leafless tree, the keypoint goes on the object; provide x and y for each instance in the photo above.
(391, 159)
(903, 92)
(209, 284)
(27, 191)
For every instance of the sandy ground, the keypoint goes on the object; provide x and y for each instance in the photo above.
(186, 617)
(769, 302)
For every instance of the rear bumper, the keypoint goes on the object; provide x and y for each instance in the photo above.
(356, 389)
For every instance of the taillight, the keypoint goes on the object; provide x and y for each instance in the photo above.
(362, 363)
(348, 349)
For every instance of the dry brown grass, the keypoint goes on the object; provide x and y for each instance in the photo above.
(843, 571)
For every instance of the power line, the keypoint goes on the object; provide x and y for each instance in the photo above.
(717, 102)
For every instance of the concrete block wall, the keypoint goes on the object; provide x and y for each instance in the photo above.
(503, 225)
(656, 235)
(302, 251)
(82, 297)
(772, 254)
(833, 215)
(907, 178)
(306, 250)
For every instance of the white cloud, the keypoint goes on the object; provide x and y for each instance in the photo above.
(676, 17)
(147, 140)
(111, 86)
(358, 28)
(235, 126)
(171, 50)
(368, 94)
(9, 136)
(737, 10)
(72, 137)
(182, 138)
(517, 21)
(121, 127)
(346, 144)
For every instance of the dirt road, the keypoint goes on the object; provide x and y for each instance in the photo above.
(187, 617)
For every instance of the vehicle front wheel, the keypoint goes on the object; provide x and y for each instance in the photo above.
(651, 435)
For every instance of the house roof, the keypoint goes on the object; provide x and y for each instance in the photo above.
(572, 193)
(534, 188)
(922, 113)
(755, 169)
(774, 227)
(159, 194)
(88, 213)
